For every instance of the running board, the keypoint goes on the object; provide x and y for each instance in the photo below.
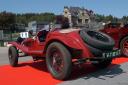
(39, 52)
(85, 60)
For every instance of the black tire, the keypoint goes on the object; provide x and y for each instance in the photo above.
(58, 60)
(123, 46)
(13, 56)
(103, 63)
(95, 51)
(97, 39)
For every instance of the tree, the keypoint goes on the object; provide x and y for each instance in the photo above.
(6, 19)
(125, 19)
(109, 18)
(99, 18)
(39, 17)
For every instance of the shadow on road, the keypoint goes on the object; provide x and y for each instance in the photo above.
(108, 72)
(87, 71)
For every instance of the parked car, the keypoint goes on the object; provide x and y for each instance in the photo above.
(62, 48)
(119, 34)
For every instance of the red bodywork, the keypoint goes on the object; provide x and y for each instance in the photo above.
(116, 32)
(69, 38)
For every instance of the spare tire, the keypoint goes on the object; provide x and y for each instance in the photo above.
(97, 39)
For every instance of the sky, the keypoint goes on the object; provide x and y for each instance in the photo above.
(116, 8)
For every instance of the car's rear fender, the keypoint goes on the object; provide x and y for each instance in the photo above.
(72, 41)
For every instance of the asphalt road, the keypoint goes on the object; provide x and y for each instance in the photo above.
(4, 56)
(116, 75)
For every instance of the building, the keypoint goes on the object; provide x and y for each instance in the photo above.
(36, 26)
(78, 16)
(32, 26)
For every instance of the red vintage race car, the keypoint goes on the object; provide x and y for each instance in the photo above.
(62, 48)
(119, 34)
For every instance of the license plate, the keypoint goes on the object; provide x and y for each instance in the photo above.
(111, 54)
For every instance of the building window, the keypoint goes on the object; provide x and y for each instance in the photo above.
(66, 12)
(79, 20)
(75, 13)
(83, 14)
(86, 20)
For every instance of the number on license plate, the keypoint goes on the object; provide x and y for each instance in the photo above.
(111, 54)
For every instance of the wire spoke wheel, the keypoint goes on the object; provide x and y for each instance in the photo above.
(13, 56)
(58, 60)
(125, 47)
